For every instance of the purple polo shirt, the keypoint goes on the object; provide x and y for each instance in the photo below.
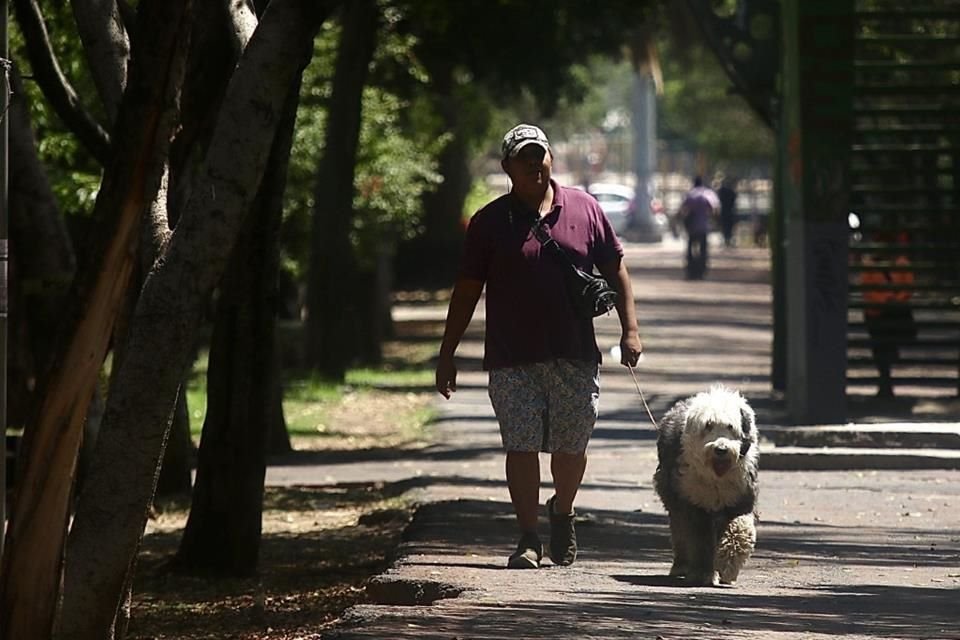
(700, 203)
(529, 315)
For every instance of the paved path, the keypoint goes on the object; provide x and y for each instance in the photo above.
(857, 554)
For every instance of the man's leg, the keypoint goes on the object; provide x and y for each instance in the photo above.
(703, 254)
(567, 470)
(574, 398)
(523, 480)
(520, 404)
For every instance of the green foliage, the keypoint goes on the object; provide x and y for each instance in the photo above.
(393, 172)
(396, 163)
(698, 110)
(308, 398)
(73, 173)
(479, 195)
(511, 46)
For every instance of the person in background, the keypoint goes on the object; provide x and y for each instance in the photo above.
(887, 313)
(728, 210)
(542, 356)
(698, 209)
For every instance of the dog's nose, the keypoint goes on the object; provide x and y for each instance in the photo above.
(721, 451)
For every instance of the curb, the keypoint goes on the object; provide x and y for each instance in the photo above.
(850, 458)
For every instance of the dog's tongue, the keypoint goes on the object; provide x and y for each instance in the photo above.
(721, 466)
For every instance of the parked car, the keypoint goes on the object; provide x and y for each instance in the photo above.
(617, 202)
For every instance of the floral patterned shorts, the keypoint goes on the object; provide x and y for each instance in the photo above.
(546, 406)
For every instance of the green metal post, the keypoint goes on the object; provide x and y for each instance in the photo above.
(818, 39)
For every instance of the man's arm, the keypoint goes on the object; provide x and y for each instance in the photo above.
(615, 273)
(463, 302)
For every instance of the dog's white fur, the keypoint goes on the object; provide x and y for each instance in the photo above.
(713, 423)
(735, 547)
(707, 479)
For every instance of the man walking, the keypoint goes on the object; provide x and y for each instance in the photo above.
(541, 355)
(697, 210)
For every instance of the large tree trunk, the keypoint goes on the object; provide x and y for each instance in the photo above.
(278, 440)
(332, 286)
(174, 478)
(220, 32)
(35, 536)
(376, 319)
(433, 258)
(222, 535)
(112, 510)
(218, 35)
(42, 256)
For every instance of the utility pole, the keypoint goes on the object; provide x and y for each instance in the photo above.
(644, 119)
(4, 254)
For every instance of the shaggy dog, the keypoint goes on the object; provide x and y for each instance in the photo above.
(707, 480)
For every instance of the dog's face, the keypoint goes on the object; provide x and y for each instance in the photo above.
(720, 430)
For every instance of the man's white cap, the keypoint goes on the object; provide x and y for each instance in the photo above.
(520, 136)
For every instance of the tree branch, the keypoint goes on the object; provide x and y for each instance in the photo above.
(55, 86)
(107, 47)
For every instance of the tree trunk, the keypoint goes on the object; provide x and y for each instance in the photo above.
(377, 323)
(433, 258)
(35, 535)
(222, 535)
(107, 47)
(112, 511)
(332, 286)
(174, 479)
(278, 441)
(44, 268)
(443, 214)
(217, 39)
(218, 35)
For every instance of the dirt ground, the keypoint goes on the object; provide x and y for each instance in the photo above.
(320, 545)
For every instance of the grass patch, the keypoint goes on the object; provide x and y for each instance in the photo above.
(310, 401)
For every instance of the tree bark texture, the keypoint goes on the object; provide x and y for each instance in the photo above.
(112, 510)
(174, 478)
(107, 46)
(55, 86)
(332, 287)
(35, 535)
(219, 34)
(223, 530)
(43, 260)
(278, 441)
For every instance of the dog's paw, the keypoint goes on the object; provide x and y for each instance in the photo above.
(729, 571)
(678, 570)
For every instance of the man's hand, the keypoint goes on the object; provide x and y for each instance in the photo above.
(630, 349)
(446, 376)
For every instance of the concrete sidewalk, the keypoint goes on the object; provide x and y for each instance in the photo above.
(871, 553)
